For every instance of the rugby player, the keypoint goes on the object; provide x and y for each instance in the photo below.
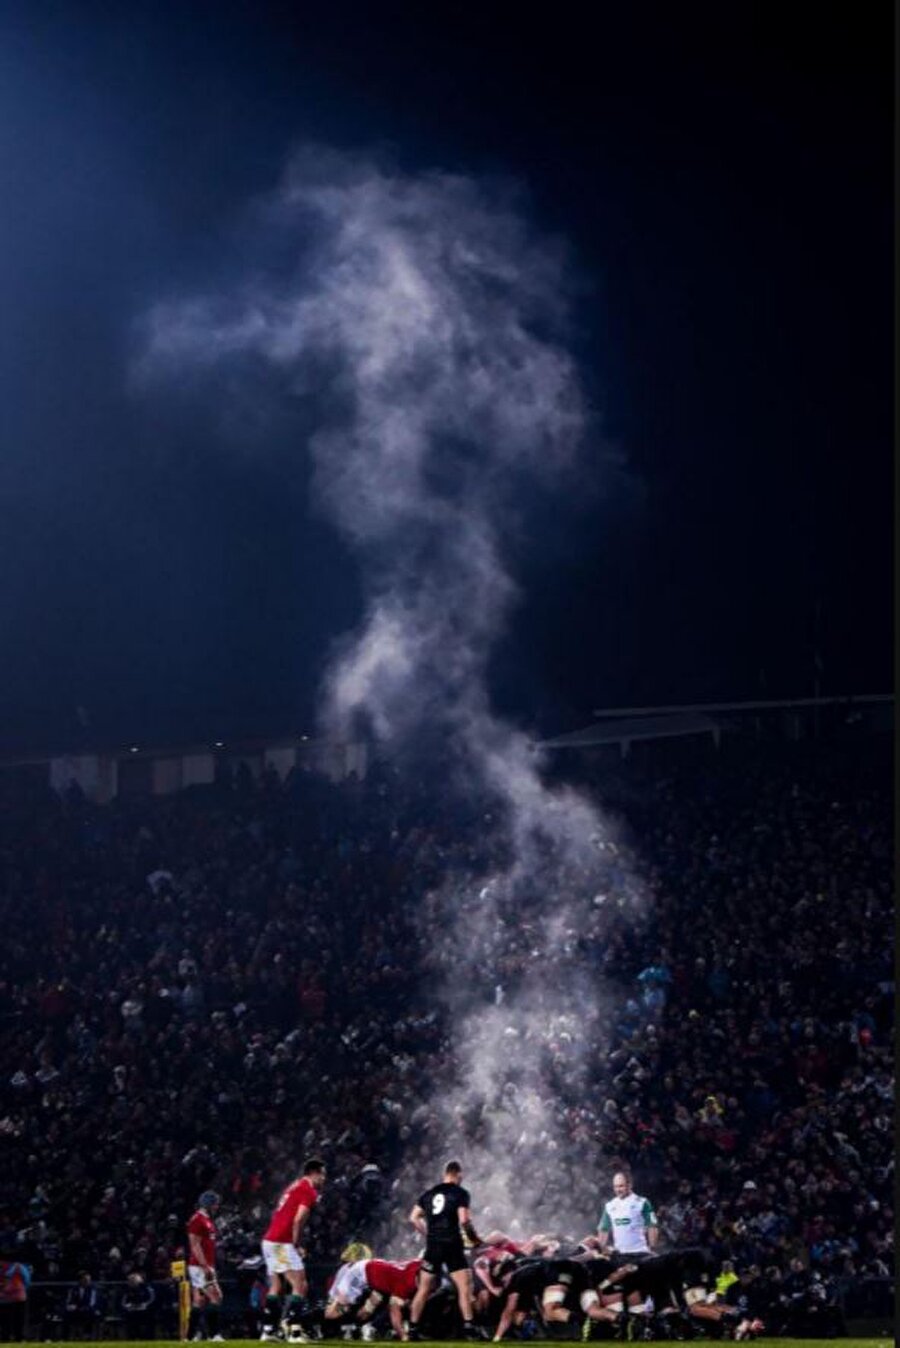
(560, 1287)
(206, 1294)
(397, 1282)
(348, 1287)
(496, 1249)
(441, 1215)
(284, 1253)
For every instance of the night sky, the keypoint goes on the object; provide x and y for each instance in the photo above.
(723, 176)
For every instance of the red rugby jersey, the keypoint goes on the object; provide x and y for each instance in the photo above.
(202, 1226)
(392, 1279)
(301, 1194)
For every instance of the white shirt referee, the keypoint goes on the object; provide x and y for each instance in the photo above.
(627, 1221)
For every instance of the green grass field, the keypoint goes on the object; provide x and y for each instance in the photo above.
(539, 1343)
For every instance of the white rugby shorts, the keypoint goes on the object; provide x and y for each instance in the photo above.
(199, 1277)
(281, 1258)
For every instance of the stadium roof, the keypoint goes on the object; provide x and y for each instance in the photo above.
(614, 731)
(622, 725)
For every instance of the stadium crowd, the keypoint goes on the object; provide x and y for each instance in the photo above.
(198, 990)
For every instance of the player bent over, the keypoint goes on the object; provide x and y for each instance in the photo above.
(603, 1298)
(360, 1286)
(496, 1250)
(348, 1287)
(283, 1253)
(561, 1285)
(442, 1216)
(398, 1282)
(206, 1294)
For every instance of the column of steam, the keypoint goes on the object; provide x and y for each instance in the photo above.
(417, 303)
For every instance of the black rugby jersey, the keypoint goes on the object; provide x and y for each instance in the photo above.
(441, 1206)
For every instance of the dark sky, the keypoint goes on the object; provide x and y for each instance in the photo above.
(724, 175)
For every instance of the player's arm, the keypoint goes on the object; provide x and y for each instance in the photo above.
(198, 1257)
(395, 1310)
(301, 1217)
(651, 1226)
(369, 1307)
(506, 1319)
(468, 1230)
(604, 1231)
(482, 1266)
(617, 1275)
(417, 1217)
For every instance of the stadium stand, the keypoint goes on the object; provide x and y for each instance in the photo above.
(197, 989)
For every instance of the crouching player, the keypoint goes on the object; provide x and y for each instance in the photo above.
(493, 1256)
(348, 1287)
(602, 1298)
(560, 1287)
(397, 1282)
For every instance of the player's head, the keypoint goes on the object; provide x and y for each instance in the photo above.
(621, 1184)
(453, 1172)
(354, 1252)
(314, 1171)
(208, 1201)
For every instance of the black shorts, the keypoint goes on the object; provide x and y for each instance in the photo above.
(573, 1278)
(448, 1254)
(620, 1257)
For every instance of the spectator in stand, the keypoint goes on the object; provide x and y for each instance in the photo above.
(15, 1280)
(757, 1091)
(137, 1307)
(82, 1311)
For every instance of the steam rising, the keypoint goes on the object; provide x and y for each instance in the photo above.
(428, 323)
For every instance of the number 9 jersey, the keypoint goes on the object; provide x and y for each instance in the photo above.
(441, 1206)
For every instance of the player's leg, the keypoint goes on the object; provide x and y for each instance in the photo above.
(594, 1312)
(203, 1289)
(424, 1287)
(554, 1311)
(196, 1329)
(276, 1267)
(213, 1294)
(462, 1281)
(298, 1302)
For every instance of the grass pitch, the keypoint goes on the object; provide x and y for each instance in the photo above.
(538, 1343)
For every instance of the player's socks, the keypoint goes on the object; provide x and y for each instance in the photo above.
(195, 1323)
(212, 1321)
(271, 1315)
(298, 1309)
